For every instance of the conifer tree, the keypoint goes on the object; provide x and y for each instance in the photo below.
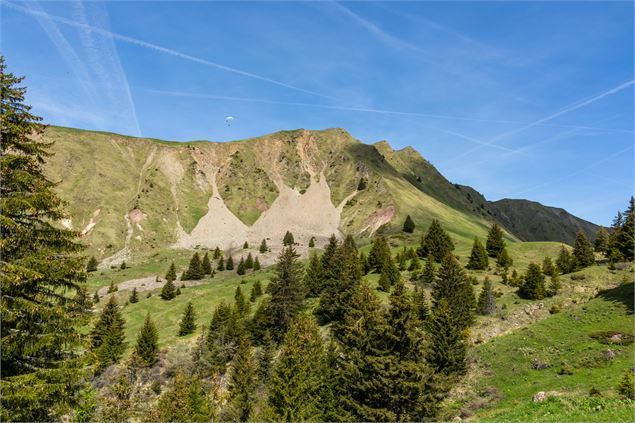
(91, 266)
(363, 263)
(495, 242)
(486, 301)
(312, 242)
(168, 291)
(583, 251)
(601, 240)
(241, 267)
(503, 260)
(288, 239)
(565, 261)
(402, 261)
(533, 287)
(409, 225)
(622, 240)
(185, 401)
(626, 385)
(547, 266)
(258, 288)
(297, 382)
(108, 339)
(171, 274)
(96, 298)
(217, 253)
(429, 273)
(384, 283)
(265, 358)
(420, 304)
(245, 245)
(222, 336)
(230, 263)
(123, 265)
(415, 265)
(447, 341)
(134, 297)
(313, 276)
(221, 264)
(112, 287)
(379, 254)
(435, 242)
(242, 385)
(187, 324)
(287, 293)
(252, 294)
(240, 304)
(206, 266)
(453, 285)
(554, 283)
(263, 246)
(147, 348)
(478, 257)
(195, 269)
(256, 264)
(249, 261)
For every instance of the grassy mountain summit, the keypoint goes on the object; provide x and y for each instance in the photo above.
(129, 194)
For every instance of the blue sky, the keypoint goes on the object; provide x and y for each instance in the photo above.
(517, 99)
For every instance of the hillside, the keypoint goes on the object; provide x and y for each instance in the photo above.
(134, 195)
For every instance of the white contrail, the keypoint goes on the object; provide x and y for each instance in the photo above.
(155, 47)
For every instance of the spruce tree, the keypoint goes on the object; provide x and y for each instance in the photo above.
(168, 291)
(547, 266)
(565, 261)
(429, 273)
(554, 283)
(621, 243)
(41, 272)
(108, 338)
(230, 263)
(453, 286)
(601, 240)
(112, 287)
(221, 264)
(478, 257)
(147, 348)
(240, 269)
(287, 293)
(241, 387)
(446, 340)
(258, 288)
(206, 266)
(134, 297)
(222, 336)
(313, 276)
(265, 358)
(245, 245)
(195, 269)
(240, 303)
(420, 304)
(249, 261)
(495, 242)
(409, 225)
(185, 401)
(187, 324)
(288, 239)
(252, 294)
(486, 302)
(263, 246)
(379, 254)
(503, 260)
(435, 242)
(583, 251)
(298, 376)
(91, 266)
(217, 253)
(171, 274)
(312, 242)
(384, 282)
(415, 265)
(256, 264)
(533, 287)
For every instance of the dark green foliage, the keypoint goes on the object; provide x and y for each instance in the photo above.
(168, 291)
(601, 240)
(478, 257)
(495, 242)
(178, 291)
(626, 385)
(222, 335)
(240, 304)
(312, 242)
(547, 266)
(185, 401)
(112, 287)
(622, 240)
(554, 283)
(242, 385)
(314, 276)
(263, 246)
(171, 274)
(429, 273)
(287, 293)
(288, 240)
(379, 254)
(41, 273)
(265, 358)
(384, 282)
(420, 304)
(230, 263)
(206, 266)
(187, 324)
(96, 298)
(245, 245)
(91, 266)
(147, 348)
(415, 265)
(134, 297)
(533, 287)
(108, 339)
(217, 253)
(409, 225)
(447, 340)
(583, 251)
(503, 260)
(361, 185)
(256, 264)
(298, 377)
(453, 286)
(123, 265)
(435, 242)
(258, 288)
(241, 267)
(221, 264)
(252, 294)
(486, 301)
(565, 261)
(194, 270)
(249, 262)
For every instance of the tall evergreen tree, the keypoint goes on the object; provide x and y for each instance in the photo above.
(91, 266)
(41, 273)
(184, 401)
(298, 376)
(195, 269)
(245, 245)
(503, 260)
(263, 246)
(241, 267)
(168, 291)
(265, 358)
(495, 242)
(384, 283)
(147, 348)
(242, 385)
(240, 303)
(314, 276)
(108, 339)
(288, 239)
(379, 254)
(622, 241)
(601, 240)
(221, 264)
(435, 242)
(409, 225)
(287, 293)
(420, 304)
(547, 266)
(222, 336)
(187, 324)
(486, 301)
(533, 287)
(256, 264)
(478, 257)
(206, 266)
(171, 274)
(447, 340)
(453, 285)
(429, 273)
(554, 282)
(249, 261)
(134, 296)
(217, 253)
(258, 288)
(583, 251)
(565, 261)
(230, 263)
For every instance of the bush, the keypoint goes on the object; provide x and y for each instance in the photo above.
(555, 309)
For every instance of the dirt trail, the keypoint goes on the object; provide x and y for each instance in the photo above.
(148, 283)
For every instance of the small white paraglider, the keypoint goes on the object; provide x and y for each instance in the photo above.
(229, 120)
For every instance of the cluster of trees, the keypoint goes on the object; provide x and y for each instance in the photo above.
(617, 243)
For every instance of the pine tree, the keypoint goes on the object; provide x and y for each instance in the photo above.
(123, 265)
(206, 266)
(240, 303)
(230, 263)
(503, 260)
(447, 340)
(420, 304)
(185, 401)
(533, 287)
(379, 254)
(495, 242)
(486, 301)
(108, 338)
(222, 336)
(217, 253)
(187, 324)
(554, 283)
(297, 382)
(601, 240)
(241, 267)
(41, 304)
(245, 245)
(312, 242)
(134, 297)
(583, 251)
(409, 225)
(265, 358)
(252, 294)
(263, 246)
(626, 385)
(147, 348)
(195, 269)
(258, 288)
(429, 273)
(91, 266)
(435, 242)
(313, 276)
(288, 239)
(242, 385)
(547, 266)
(168, 291)
(478, 257)
(453, 286)
(415, 265)
(622, 240)
(221, 264)
(256, 264)
(249, 261)
(384, 283)
(565, 261)
(171, 274)
(287, 293)
(112, 287)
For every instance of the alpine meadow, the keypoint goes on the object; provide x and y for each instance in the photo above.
(295, 275)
